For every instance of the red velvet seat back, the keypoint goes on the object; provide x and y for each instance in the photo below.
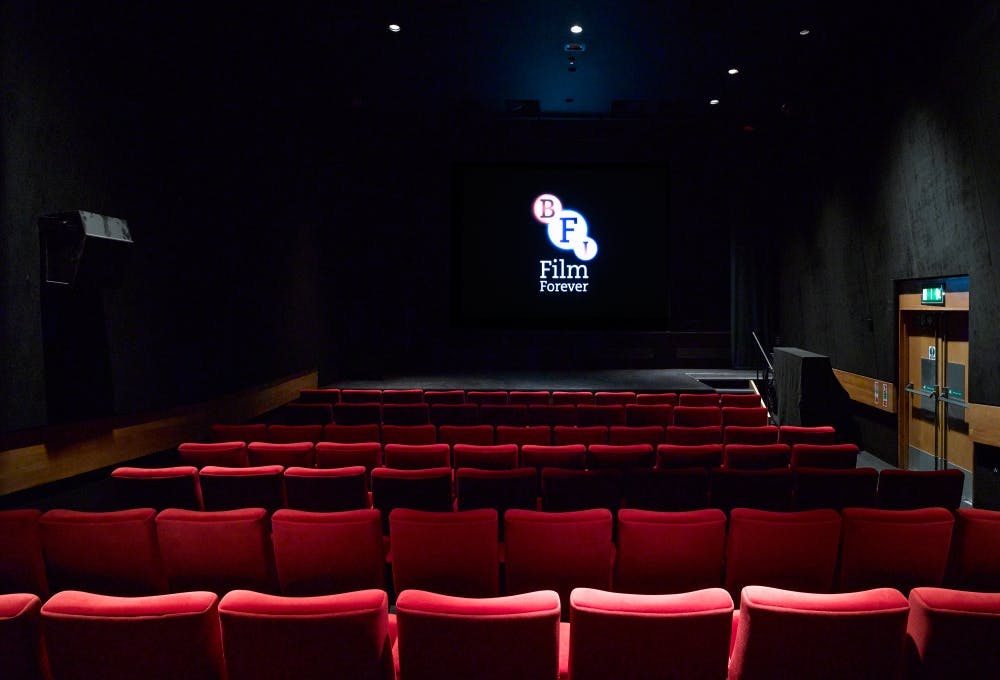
(953, 634)
(603, 414)
(252, 432)
(497, 489)
(786, 634)
(620, 397)
(361, 396)
(515, 415)
(640, 415)
(454, 414)
(405, 414)
(831, 456)
(158, 488)
(698, 400)
(114, 553)
(756, 456)
(409, 434)
(21, 651)
(564, 490)
(224, 488)
(652, 435)
(635, 637)
(22, 566)
(680, 456)
(160, 637)
(744, 417)
(552, 414)
(563, 435)
(481, 397)
(228, 454)
(299, 454)
(453, 553)
(975, 550)
(345, 454)
(738, 434)
(558, 551)
(791, 550)
(669, 398)
(326, 489)
(466, 434)
(911, 489)
(307, 638)
(529, 397)
(667, 489)
(426, 489)
(572, 397)
(761, 489)
(730, 399)
(404, 396)
(669, 552)
(293, 434)
(539, 435)
(620, 456)
(693, 436)
(216, 551)
(353, 413)
(496, 457)
(899, 549)
(444, 397)
(499, 638)
(836, 489)
(319, 553)
(797, 434)
(416, 456)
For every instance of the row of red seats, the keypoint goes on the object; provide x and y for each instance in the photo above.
(878, 633)
(140, 551)
(517, 414)
(526, 397)
(533, 434)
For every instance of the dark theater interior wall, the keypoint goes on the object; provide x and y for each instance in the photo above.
(903, 182)
(104, 111)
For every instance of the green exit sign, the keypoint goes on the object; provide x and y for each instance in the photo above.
(932, 296)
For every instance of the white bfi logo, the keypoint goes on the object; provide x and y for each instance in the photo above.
(567, 230)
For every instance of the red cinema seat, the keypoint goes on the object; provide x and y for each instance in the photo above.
(617, 397)
(911, 489)
(975, 550)
(351, 434)
(409, 434)
(253, 432)
(756, 456)
(796, 434)
(899, 549)
(830, 456)
(224, 488)
(307, 638)
(668, 398)
(405, 414)
(761, 489)
(22, 655)
(641, 415)
(497, 489)
(404, 396)
(697, 416)
(552, 415)
(791, 550)
(514, 415)
(361, 396)
(432, 397)
(564, 490)
(693, 436)
(496, 638)
(607, 415)
(113, 553)
(736, 434)
(680, 456)
(319, 553)
(426, 489)
(216, 551)
(558, 551)
(303, 414)
(732, 399)
(667, 489)
(953, 634)
(480, 397)
(481, 435)
(326, 395)
(416, 456)
(158, 488)
(157, 637)
(327, 489)
(496, 457)
(294, 434)
(22, 565)
(585, 436)
(571, 456)
(453, 553)
(572, 397)
(687, 399)
(620, 457)
(836, 489)
(353, 413)
(529, 397)
(338, 454)
(786, 634)
(636, 637)
(539, 435)
(669, 552)
(299, 454)
(744, 417)
(227, 454)
(454, 414)
(652, 435)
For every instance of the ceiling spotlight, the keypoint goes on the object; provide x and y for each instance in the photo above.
(576, 28)
(394, 28)
(733, 71)
(804, 31)
(713, 102)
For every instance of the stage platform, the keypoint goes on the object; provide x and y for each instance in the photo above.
(636, 380)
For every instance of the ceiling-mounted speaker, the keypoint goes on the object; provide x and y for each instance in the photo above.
(83, 247)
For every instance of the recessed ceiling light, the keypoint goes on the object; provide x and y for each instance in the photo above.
(804, 31)
(713, 102)
(576, 28)
(394, 28)
(733, 71)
